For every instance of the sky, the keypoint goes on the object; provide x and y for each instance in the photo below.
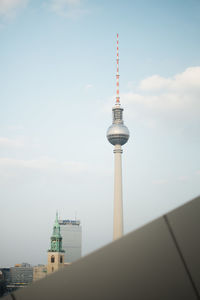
(57, 89)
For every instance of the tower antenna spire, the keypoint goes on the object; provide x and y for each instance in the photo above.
(117, 75)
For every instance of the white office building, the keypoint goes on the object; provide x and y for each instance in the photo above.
(71, 233)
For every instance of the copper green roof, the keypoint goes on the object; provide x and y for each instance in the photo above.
(56, 228)
(56, 238)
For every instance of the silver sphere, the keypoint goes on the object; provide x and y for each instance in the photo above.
(118, 134)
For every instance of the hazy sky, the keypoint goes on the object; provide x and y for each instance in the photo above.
(57, 88)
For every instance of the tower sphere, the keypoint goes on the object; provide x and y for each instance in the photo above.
(117, 133)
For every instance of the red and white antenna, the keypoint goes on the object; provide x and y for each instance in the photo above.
(117, 76)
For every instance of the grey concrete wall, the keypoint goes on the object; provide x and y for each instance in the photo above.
(160, 261)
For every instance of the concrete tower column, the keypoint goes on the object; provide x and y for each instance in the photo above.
(118, 202)
(118, 135)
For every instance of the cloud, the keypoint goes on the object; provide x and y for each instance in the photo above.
(9, 8)
(160, 181)
(45, 164)
(154, 83)
(19, 142)
(48, 168)
(15, 127)
(189, 80)
(88, 87)
(68, 8)
(21, 170)
(11, 143)
(158, 98)
(183, 178)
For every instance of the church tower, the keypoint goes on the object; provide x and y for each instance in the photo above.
(55, 253)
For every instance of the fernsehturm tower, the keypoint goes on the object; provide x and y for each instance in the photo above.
(118, 135)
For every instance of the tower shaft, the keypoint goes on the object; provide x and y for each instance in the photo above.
(118, 135)
(118, 201)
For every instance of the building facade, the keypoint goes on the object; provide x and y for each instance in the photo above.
(39, 272)
(71, 232)
(21, 274)
(5, 273)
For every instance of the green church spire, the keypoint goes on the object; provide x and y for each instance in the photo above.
(56, 238)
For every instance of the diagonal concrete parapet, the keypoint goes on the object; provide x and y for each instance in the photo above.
(161, 260)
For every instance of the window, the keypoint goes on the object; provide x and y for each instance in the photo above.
(117, 115)
(52, 259)
(61, 259)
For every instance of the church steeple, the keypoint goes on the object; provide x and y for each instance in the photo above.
(56, 238)
(55, 253)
